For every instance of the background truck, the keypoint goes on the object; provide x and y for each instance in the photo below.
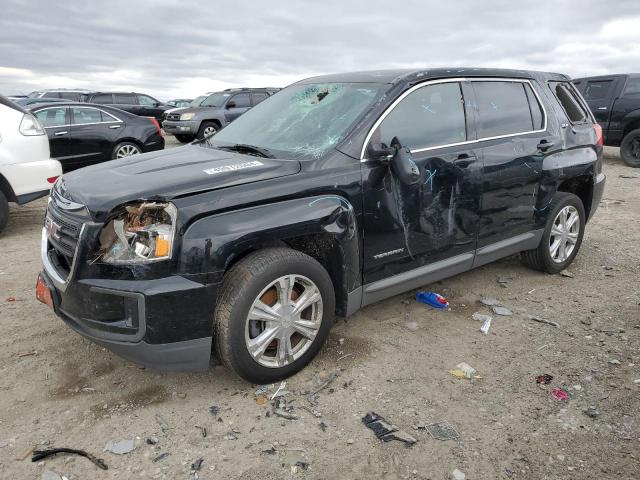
(615, 102)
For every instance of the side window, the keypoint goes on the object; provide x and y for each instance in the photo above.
(597, 89)
(241, 100)
(86, 115)
(52, 117)
(107, 118)
(429, 116)
(633, 88)
(256, 98)
(503, 108)
(102, 98)
(51, 95)
(537, 114)
(124, 99)
(146, 100)
(73, 96)
(570, 103)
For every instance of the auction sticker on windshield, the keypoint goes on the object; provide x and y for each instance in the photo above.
(232, 168)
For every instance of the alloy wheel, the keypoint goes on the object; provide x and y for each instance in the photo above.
(283, 321)
(564, 234)
(127, 151)
(209, 131)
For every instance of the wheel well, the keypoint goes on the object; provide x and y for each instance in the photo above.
(131, 140)
(321, 247)
(631, 126)
(582, 187)
(5, 186)
(217, 122)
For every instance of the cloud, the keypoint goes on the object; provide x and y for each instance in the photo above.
(184, 48)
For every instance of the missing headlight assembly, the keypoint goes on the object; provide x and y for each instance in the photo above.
(140, 232)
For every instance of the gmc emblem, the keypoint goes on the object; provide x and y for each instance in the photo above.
(52, 228)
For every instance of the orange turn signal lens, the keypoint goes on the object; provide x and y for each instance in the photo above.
(43, 293)
(162, 247)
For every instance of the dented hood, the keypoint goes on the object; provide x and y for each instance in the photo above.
(167, 174)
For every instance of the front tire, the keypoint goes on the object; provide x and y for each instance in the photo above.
(274, 312)
(4, 211)
(562, 235)
(207, 129)
(630, 148)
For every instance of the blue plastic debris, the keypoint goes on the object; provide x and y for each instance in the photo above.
(432, 299)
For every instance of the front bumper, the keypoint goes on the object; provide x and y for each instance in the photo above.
(163, 324)
(175, 127)
(598, 191)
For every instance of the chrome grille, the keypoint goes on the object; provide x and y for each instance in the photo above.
(63, 226)
(173, 116)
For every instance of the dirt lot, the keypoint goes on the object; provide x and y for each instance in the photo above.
(58, 389)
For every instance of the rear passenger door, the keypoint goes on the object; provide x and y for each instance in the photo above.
(93, 135)
(237, 105)
(55, 121)
(513, 141)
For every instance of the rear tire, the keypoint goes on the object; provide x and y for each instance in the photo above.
(4, 211)
(125, 149)
(546, 258)
(185, 138)
(630, 148)
(207, 129)
(250, 313)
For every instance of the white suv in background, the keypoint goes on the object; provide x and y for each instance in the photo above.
(26, 171)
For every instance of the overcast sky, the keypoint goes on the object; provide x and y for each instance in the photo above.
(185, 48)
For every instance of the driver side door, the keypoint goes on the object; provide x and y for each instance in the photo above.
(237, 105)
(415, 234)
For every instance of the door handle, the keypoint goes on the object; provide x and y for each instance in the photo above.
(57, 134)
(602, 108)
(464, 160)
(545, 145)
(114, 126)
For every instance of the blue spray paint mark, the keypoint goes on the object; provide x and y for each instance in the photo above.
(428, 109)
(494, 106)
(430, 176)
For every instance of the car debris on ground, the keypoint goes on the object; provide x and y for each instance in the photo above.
(40, 454)
(432, 299)
(463, 370)
(120, 447)
(442, 431)
(386, 431)
(500, 310)
(542, 320)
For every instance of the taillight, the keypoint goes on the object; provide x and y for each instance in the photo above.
(598, 129)
(52, 179)
(157, 124)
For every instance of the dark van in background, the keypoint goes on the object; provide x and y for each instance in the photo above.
(615, 102)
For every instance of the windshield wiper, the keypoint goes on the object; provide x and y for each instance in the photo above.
(245, 148)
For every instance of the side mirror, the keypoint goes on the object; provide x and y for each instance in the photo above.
(380, 151)
(402, 165)
(231, 104)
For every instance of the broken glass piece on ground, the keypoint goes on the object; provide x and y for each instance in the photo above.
(386, 431)
(442, 431)
(49, 475)
(544, 379)
(486, 325)
(490, 302)
(120, 447)
(481, 317)
(498, 310)
(542, 320)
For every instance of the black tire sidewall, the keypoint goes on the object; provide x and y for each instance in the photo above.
(625, 149)
(563, 200)
(184, 138)
(4, 211)
(122, 144)
(205, 125)
(241, 359)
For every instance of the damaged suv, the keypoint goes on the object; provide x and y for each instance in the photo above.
(336, 192)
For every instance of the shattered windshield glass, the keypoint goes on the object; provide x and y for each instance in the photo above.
(302, 120)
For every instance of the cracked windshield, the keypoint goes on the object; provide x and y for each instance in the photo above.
(302, 120)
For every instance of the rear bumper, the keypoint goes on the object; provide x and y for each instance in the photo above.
(163, 324)
(180, 128)
(598, 191)
(29, 179)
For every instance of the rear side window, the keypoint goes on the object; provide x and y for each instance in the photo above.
(103, 98)
(597, 89)
(258, 97)
(51, 95)
(569, 101)
(86, 115)
(52, 117)
(124, 99)
(428, 117)
(503, 108)
(241, 100)
(633, 88)
(74, 96)
(146, 100)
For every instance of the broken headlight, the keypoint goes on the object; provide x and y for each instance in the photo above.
(141, 232)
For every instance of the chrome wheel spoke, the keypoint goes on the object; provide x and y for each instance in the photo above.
(572, 221)
(306, 328)
(310, 296)
(285, 290)
(285, 350)
(556, 231)
(258, 345)
(262, 311)
(554, 248)
(572, 238)
(562, 251)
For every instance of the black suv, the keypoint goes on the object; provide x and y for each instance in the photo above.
(215, 112)
(615, 102)
(136, 103)
(334, 193)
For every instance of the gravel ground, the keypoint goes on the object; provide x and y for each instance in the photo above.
(59, 389)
